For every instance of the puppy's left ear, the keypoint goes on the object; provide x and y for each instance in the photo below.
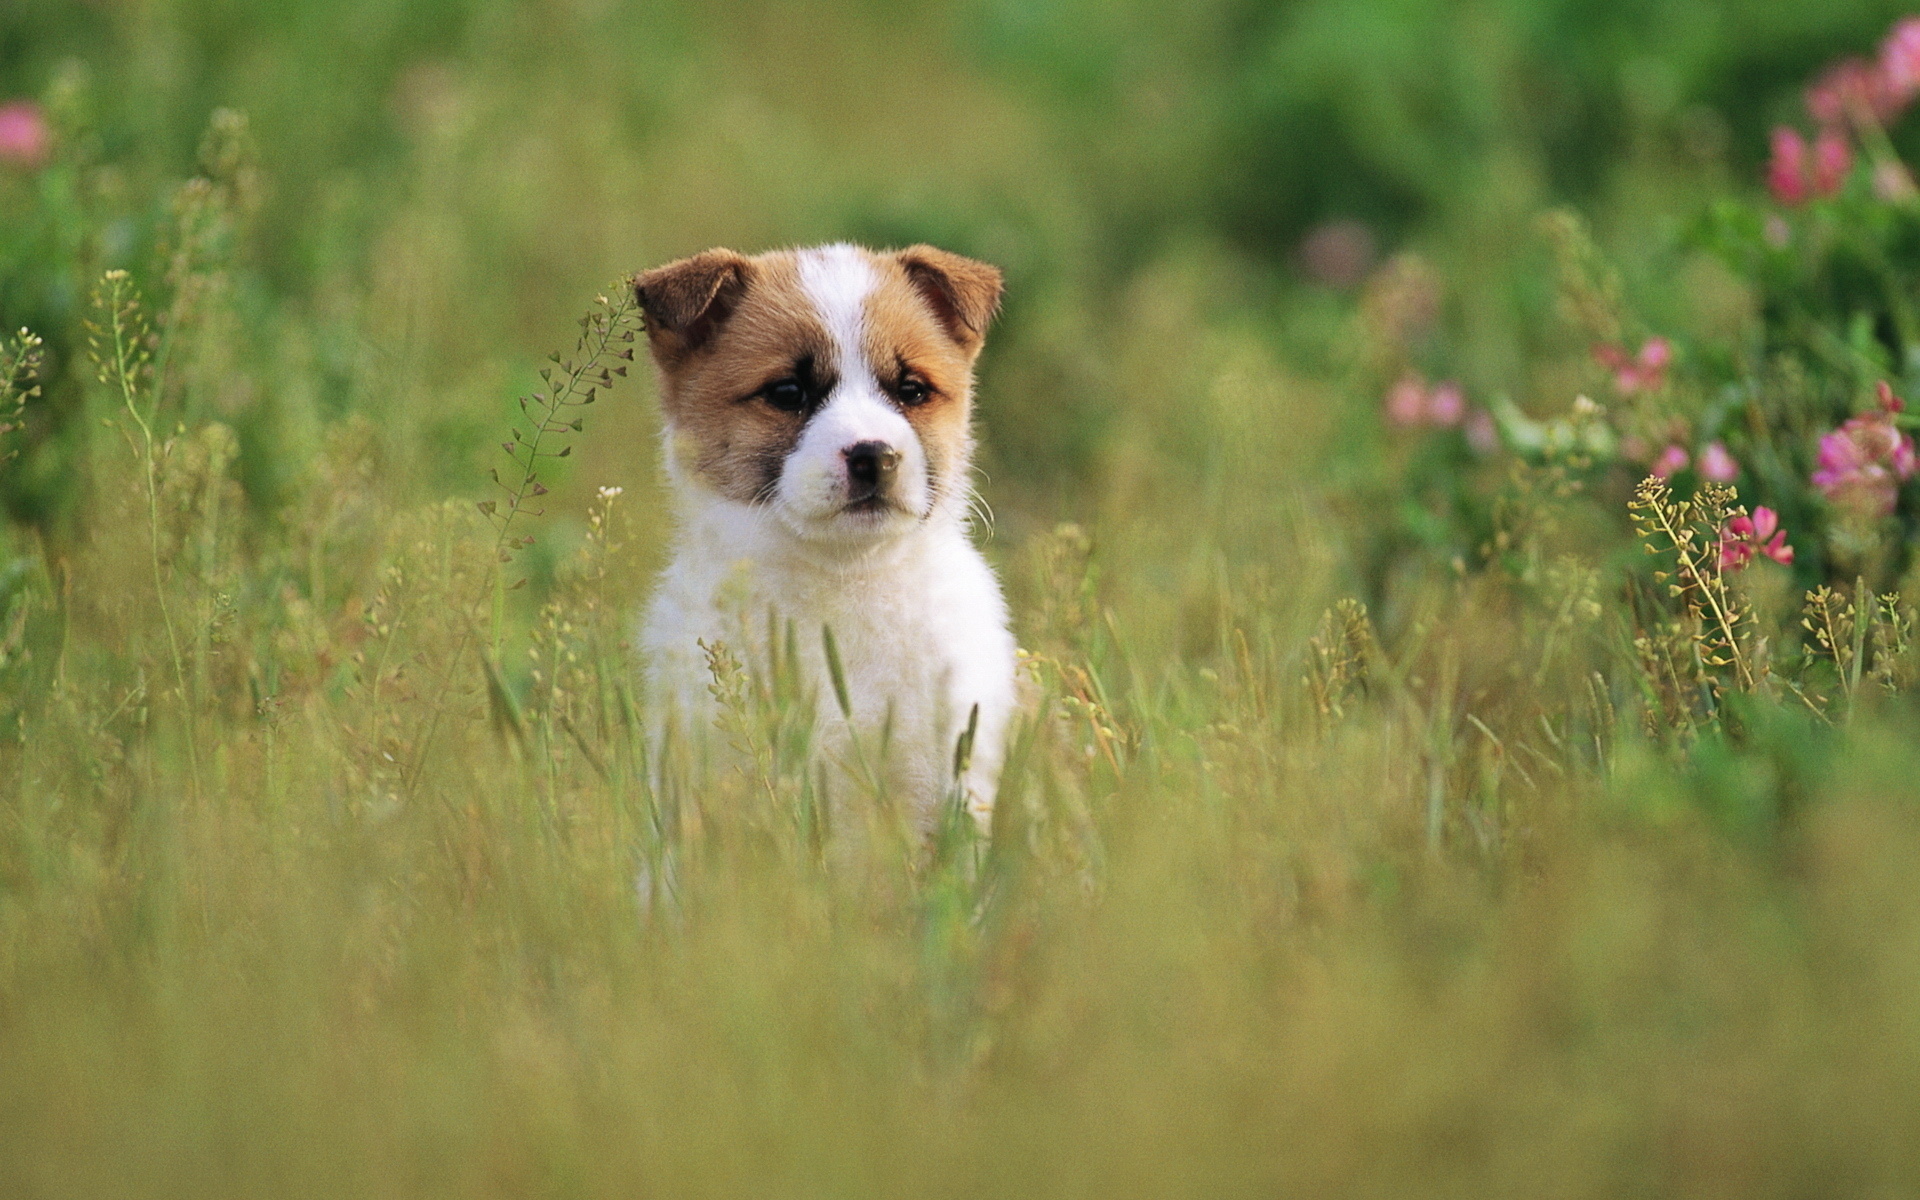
(964, 293)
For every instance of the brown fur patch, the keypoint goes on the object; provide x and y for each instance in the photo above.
(964, 294)
(906, 334)
(735, 443)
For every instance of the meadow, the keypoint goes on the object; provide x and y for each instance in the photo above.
(1451, 464)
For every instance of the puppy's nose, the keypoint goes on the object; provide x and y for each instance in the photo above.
(870, 467)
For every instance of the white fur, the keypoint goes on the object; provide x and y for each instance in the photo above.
(837, 280)
(916, 613)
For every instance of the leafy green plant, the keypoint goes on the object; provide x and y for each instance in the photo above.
(20, 364)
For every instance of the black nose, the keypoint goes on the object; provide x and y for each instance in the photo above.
(870, 467)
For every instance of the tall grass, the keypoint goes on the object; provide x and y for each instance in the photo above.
(1273, 904)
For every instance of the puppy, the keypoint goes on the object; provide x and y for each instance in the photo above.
(818, 441)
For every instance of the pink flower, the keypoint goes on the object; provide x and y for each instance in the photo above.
(23, 133)
(1407, 401)
(1832, 162)
(1796, 174)
(1746, 536)
(1718, 466)
(1411, 402)
(1787, 170)
(1644, 372)
(1863, 463)
(1862, 91)
(1855, 90)
(1900, 60)
(1672, 459)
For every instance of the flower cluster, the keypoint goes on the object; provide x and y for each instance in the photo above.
(1670, 460)
(1854, 94)
(1796, 174)
(1864, 462)
(1642, 372)
(1862, 91)
(1743, 537)
(1412, 401)
(1715, 463)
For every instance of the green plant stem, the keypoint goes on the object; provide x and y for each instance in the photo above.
(124, 367)
(560, 396)
(1691, 567)
(1861, 618)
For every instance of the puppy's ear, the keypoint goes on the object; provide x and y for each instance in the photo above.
(964, 293)
(686, 301)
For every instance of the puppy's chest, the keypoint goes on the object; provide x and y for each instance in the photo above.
(895, 640)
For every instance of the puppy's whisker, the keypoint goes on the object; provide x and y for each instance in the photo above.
(980, 511)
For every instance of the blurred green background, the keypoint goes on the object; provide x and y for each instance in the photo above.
(442, 183)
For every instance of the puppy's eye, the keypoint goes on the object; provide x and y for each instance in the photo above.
(787, 395)
(912, 392)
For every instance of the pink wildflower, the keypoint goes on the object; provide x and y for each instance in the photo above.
(1411, 401)
(1832, 162)
(1860, 91)
(1863, 463)
(1760, 534)
(1796, 174)
(1855, 90)
(1644, 372)
(23, 133)
(1900, 60)
(1672, 459)
(1407, 400)
(1787, 170)
(1718, 466)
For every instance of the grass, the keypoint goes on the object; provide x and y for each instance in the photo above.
(1297, 911)
(1393, 818)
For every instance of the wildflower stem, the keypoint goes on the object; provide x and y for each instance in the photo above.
(123, 369)
(1690, 566)
(573, 385)
(1862, 617)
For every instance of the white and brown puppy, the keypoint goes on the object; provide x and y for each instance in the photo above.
(818, 412)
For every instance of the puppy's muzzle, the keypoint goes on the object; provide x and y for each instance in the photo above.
(871, 467)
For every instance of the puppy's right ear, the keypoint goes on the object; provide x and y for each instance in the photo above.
(686, 301)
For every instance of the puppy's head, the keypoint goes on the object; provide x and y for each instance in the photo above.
(830, 387)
